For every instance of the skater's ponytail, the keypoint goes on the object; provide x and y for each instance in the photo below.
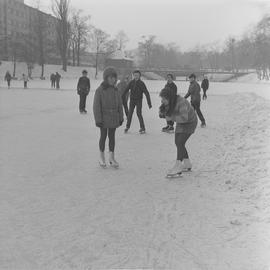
(170, 95)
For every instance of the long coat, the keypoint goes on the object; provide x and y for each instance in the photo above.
(107, 106)
(184, 116)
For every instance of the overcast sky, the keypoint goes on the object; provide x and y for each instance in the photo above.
(186, 22)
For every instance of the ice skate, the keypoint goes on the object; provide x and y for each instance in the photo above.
(142, 131)
(126, 130)
(170, 129)
(187, 166)
(102, 161)
(165, 129)
(203, 125)
(176, 170)
(112, 160)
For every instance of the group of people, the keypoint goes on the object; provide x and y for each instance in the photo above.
(110, 103)
(55, 80)
(8, 79)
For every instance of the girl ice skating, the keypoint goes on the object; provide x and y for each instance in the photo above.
(178, 109)
(108, 113)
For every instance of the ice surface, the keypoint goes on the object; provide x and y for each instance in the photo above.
(60, 210)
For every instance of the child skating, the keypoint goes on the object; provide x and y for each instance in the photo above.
(178, 109)
(194, 92)
(170, 84)
(108, 113)
(137, 88)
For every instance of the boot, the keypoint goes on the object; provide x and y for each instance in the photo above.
(102, 161)
(112, 160)
(187, 164)
(176, 169)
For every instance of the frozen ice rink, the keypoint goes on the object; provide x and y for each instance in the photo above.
(60, 210)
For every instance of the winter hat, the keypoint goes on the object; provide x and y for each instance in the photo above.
(109, 72)
(84, 71)
(192, 76)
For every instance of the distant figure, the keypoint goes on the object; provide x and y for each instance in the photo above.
(52, 78)
(8, 78)
(57, 80)
(83, 89)
(121, 86)
(205, 86)
(25, 80)
(194, 92)
(172, 86)
(137, 88)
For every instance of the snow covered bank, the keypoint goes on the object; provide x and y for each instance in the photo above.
(59, 210)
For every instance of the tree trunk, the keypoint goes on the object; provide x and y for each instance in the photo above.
(42, 71)
(14, 66)
(96, 66)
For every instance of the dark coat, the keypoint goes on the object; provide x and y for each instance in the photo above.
(8, 76)
(52, 77)
(83, 86)
(172, 86)
(57, 77)
(107, 106)
(184, 116)
(137, 89)
(205, 84)
(194, 92)
(121, 86)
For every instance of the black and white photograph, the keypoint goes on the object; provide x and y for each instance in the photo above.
(135, 135)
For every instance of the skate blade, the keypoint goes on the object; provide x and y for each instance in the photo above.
(173, 176)
(103, 166)
(114, 166)
(187, 170)
(142, 132)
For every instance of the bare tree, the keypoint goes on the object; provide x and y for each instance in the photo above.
(100, 39)
(145, 49)
(122, 39)
(80, 29)
(61, 11)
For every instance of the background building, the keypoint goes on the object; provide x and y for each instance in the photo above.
(23, 29)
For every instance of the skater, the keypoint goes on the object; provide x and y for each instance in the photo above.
(170, 84)
(194, 91)
(52, 78)
(178, 109)
(205, 86)
(57, 80)
(25, 80)
(121, 86)
(137, 88)
(8, 78)
(83, 89)
(108, 113)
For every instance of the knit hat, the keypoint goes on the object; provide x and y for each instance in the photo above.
(109, 72)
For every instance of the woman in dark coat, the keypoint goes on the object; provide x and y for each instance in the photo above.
(8, 78)
(179, 110)
(108, 113)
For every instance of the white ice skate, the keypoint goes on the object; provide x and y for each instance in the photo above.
(102, 161)
(187, 166)
(112, 160)
(176, 170)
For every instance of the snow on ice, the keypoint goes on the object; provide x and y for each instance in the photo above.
(60, 210)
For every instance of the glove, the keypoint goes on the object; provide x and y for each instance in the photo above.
(121, 122)
(100, 125)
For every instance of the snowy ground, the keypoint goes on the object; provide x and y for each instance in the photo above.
(59, 210)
